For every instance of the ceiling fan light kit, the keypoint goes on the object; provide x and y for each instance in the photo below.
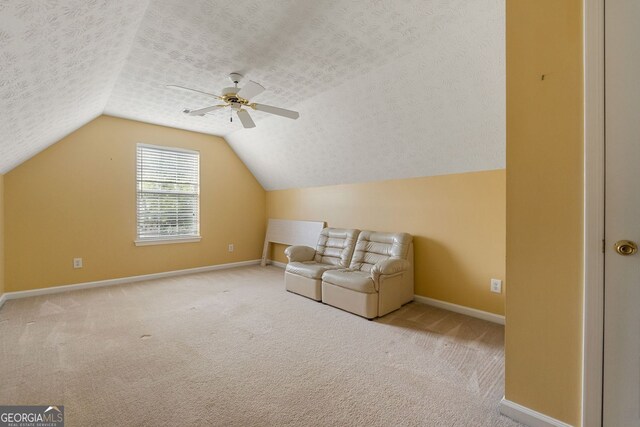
(236, 98)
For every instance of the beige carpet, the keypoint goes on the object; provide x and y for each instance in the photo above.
(233, 348)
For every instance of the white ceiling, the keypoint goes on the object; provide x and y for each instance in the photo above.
(59, 61)
(385, 89)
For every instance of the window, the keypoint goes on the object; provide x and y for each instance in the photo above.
(168, 183)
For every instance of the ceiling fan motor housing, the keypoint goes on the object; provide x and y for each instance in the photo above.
(229, 95)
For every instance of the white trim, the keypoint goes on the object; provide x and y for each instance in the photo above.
(168, 148)
(277, 263)
(484, 315)
(527, 416)
(594, 232)
(3, 298)
(167, 241)
(122, 280)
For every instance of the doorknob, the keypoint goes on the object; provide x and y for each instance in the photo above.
(626, 247)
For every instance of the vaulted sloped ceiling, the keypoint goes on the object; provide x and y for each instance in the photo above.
(433, 103)
(385, 89)
(59, 61)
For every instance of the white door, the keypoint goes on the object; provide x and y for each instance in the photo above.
(621, 404)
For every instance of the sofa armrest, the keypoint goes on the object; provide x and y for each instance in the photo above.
(389, 267)
(300, 253)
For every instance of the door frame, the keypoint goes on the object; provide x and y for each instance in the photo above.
(594, 212)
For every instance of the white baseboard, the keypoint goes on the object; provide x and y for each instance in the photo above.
(484, 315)
(110, 282)
(277, 263)
(527, 416)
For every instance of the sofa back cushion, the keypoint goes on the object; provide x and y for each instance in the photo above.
(373, 247)
(335, 246)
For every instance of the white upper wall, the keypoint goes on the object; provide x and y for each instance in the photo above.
(385, 89)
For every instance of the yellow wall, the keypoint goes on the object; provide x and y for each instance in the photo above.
(1, 234)
(544, 206)
(78, 199)
(458, 222)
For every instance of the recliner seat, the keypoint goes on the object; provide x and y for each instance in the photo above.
(379, 279)
(306, 266)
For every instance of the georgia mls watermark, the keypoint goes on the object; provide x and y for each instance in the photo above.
(32, 416)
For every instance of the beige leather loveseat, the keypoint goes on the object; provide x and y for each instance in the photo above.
(378, 280)
(306, 265)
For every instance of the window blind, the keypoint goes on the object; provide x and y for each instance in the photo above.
(168, 188)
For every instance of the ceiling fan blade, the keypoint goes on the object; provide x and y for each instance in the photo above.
(250, 90)
(202, 111)
(246, 119)
(277, 111)
(187, 89)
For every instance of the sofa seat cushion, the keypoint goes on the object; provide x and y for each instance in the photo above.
(358, 281)
(310, 269)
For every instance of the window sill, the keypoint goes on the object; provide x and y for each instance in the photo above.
(167, 241)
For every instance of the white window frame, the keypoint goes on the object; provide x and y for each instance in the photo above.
(163, 240)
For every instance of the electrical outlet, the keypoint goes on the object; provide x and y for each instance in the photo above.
(231, 247)
(496, 286)
(77, 263)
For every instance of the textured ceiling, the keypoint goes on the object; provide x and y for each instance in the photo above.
(58, 63)
(385, 89)
(434, 104)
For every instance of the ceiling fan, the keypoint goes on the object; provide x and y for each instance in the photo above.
(236, 98)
